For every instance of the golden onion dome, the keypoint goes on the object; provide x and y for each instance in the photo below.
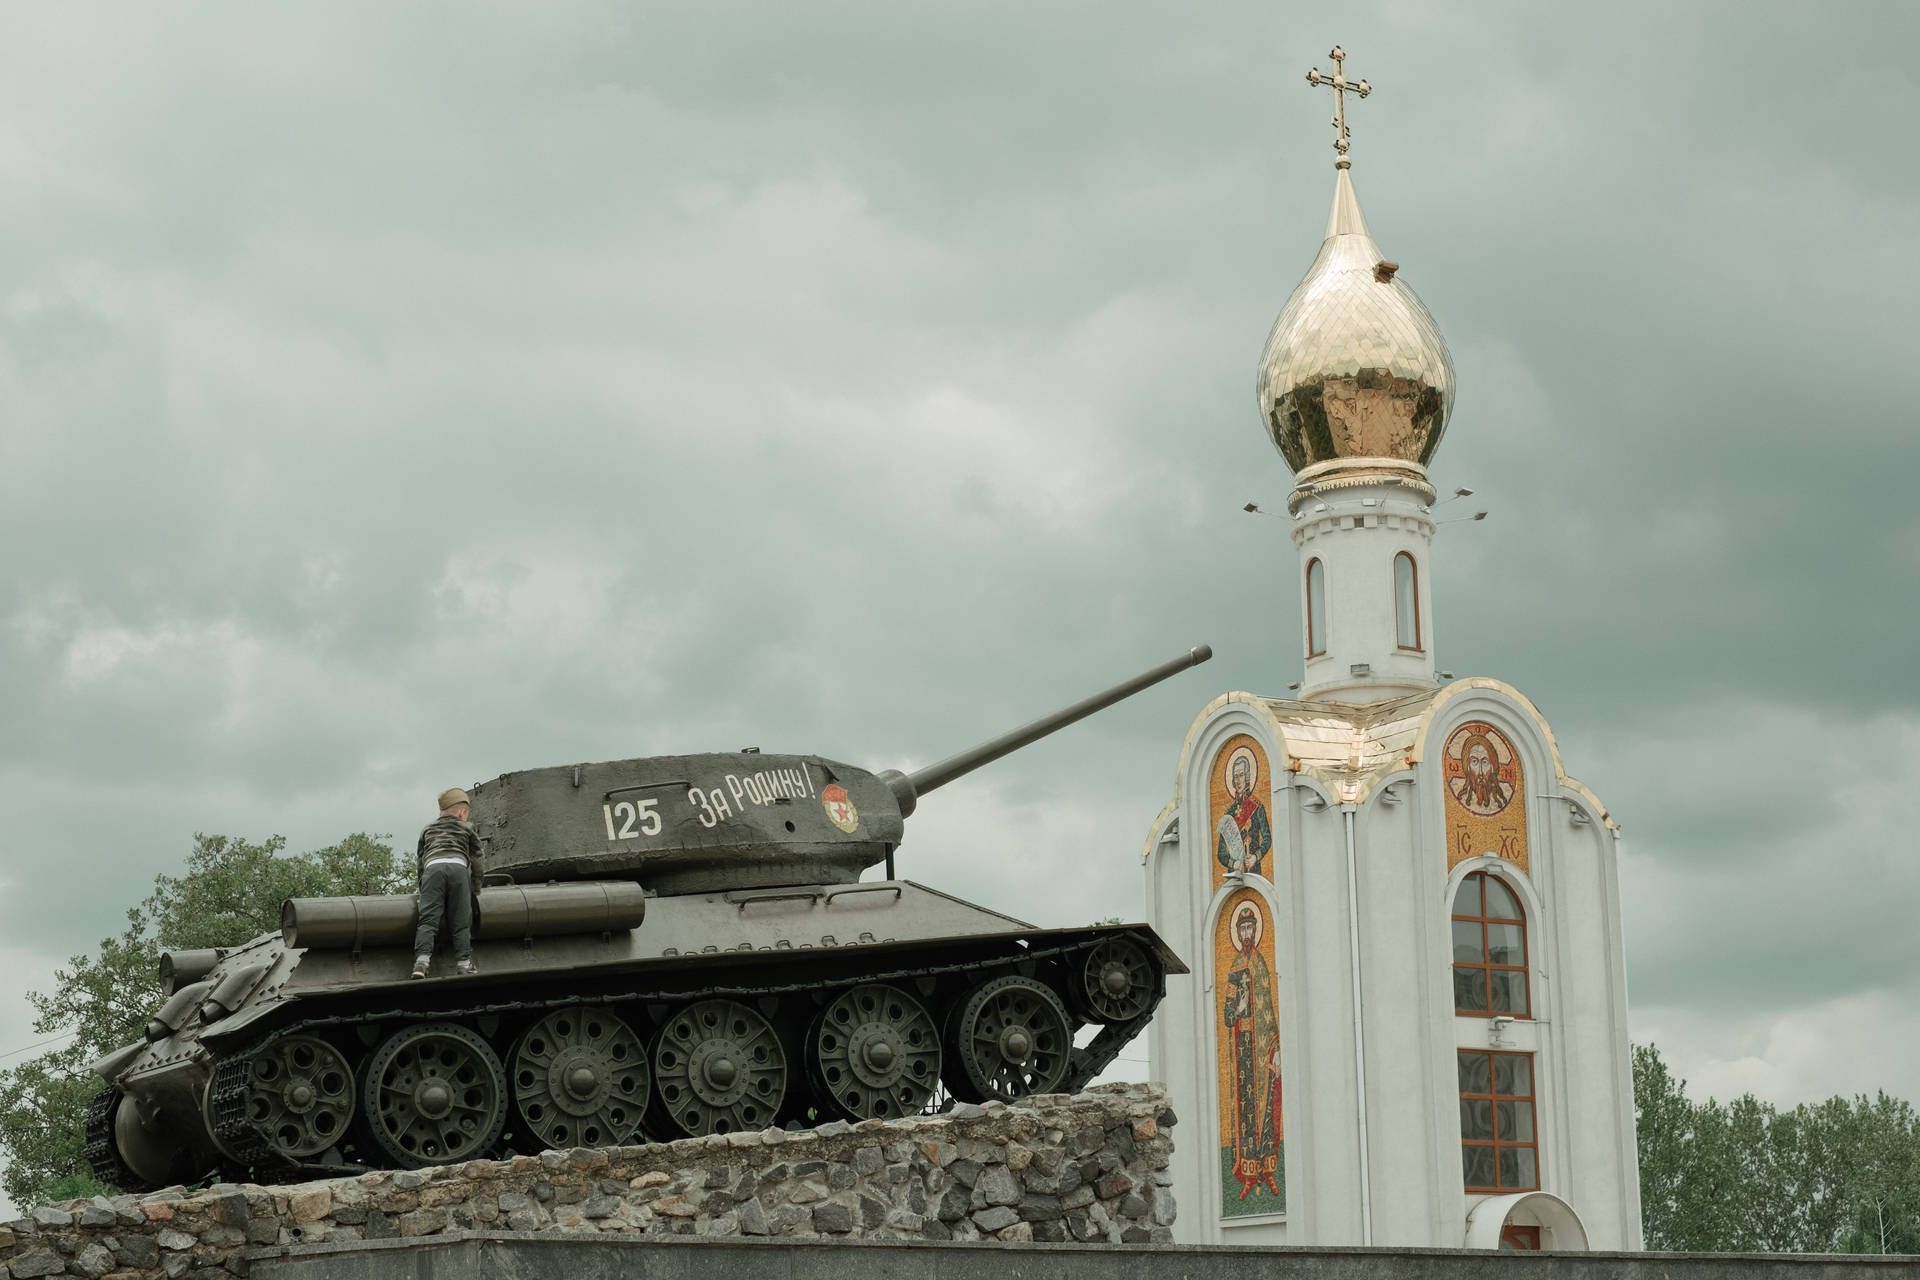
(1355, 370)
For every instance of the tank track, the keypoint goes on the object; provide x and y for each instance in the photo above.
(250, 1148)
(102, 1155)
(234, 1132)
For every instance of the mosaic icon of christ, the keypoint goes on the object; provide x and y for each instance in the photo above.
(1480, 789)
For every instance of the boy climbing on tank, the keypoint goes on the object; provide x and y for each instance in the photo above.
(449, 856)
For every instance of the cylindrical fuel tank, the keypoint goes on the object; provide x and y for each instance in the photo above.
(512, 911)
(178, 968)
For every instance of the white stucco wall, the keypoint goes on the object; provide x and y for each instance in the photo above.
(1356, 532)
(1578, 1034)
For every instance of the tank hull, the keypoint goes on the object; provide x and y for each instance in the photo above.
(193, 1101)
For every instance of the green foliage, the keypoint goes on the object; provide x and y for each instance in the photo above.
(1883, 1227)
(77, 1186)
(43, 1105)
(1746, 1177)
(1669, 1165)
(230, 891)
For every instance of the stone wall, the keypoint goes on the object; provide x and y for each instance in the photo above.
(1088, 1168)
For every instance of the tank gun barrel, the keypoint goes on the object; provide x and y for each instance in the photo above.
(909, 787)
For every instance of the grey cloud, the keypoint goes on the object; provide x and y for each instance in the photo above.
(405, 401)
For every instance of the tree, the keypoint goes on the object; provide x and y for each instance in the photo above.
(43, 1106)
(1681, 1155)
(1883, 1226)
(229, 892)
(1837, 1175)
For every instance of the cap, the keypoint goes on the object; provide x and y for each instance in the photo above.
(451, 797)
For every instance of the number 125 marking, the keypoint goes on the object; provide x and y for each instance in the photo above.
(645, 813)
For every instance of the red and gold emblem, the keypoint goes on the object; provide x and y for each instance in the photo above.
(839, 806)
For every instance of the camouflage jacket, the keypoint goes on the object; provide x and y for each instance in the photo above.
(449, 837)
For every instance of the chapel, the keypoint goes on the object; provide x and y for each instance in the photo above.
(1406, 1020)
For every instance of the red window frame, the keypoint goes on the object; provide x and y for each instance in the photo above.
(1485, 968)
(1519, 1239)
(1413, 572)
(1316, 563)
(1493, 1098)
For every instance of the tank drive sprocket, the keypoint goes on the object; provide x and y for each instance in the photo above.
(874, 1051)
(1118, 981)
(580, 1079)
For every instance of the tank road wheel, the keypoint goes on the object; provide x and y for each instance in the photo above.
(1012, 1038)
(580, 1079)
(719, 1068)
(1116, 981)
(434, 1093)
(300, 1096)
(875, 1053)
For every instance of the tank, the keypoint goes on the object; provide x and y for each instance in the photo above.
(667, 947)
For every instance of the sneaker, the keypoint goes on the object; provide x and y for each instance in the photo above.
(465, 968)
(420, 964)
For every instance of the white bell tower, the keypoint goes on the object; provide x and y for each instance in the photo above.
(1405, 1022)
(1356, 389)
(1366, 614)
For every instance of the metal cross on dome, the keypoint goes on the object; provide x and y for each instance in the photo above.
(1340, 85)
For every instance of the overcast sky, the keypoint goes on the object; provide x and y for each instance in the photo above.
(394, 396)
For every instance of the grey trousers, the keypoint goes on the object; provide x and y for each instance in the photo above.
(446, 892)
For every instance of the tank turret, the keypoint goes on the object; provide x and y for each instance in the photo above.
(683, 946)
(741, 820)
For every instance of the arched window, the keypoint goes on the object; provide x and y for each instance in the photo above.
(1316, 608)
(1489, 950)
(1406, 601)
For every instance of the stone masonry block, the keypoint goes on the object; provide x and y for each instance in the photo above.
(996, 1218)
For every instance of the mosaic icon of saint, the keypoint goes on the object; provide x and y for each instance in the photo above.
(1252, 1017)
(1479, 788)
(1245, 835)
